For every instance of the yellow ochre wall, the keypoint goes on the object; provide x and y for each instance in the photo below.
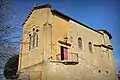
(60, 29)
(32, 62)
(89, 63)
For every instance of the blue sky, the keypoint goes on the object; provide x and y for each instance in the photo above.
(98, 14)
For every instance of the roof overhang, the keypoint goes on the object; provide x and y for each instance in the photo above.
(106, 32)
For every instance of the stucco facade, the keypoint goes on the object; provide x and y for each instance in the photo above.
(57, 54)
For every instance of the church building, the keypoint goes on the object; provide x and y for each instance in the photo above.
(55, 46)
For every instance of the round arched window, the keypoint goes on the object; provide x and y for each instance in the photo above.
(80, 43)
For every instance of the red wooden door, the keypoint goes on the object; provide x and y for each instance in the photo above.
(65, 51)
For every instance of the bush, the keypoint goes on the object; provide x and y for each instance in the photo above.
(11, 67)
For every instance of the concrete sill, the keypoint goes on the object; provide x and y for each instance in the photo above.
(66, 62)
(56, 61)
(69, 62)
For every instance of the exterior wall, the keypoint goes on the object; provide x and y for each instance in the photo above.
(60, 29)
(87, 36)
(32, 62)
(92, 66)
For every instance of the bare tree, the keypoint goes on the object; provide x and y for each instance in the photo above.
(8, 44)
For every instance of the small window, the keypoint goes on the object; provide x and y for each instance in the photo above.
(90, 46)
(106, 71)
(108, 55)
(33, 29)
(30, 42)
(36, 39)
(80, 43)
(37, 30)
(107, 51)
(64, 53)
(99, 71)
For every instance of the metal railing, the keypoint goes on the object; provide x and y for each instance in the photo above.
(72, 57)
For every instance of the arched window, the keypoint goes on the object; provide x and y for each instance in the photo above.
(37, 38)
(90, 46)
(30, 42)
(80, 43)
(33, 41)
